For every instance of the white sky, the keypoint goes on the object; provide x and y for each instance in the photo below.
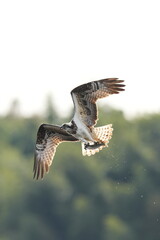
(53, 46)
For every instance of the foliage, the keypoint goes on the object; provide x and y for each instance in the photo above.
(113, 195)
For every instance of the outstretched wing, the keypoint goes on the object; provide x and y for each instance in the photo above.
(48, 138)
(86, 95)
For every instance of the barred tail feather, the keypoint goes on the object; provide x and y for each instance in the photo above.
(103, 134)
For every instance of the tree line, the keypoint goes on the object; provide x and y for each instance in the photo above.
(113, 195)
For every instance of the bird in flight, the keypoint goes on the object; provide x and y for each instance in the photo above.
(80, 128)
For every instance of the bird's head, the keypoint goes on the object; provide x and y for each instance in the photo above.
(67, 127)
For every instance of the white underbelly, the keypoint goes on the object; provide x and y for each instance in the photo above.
(83, 133)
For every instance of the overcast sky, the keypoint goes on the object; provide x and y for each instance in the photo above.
(50, 47)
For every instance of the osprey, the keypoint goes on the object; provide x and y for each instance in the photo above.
(80, 128)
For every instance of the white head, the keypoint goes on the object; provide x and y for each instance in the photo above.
(68, 127)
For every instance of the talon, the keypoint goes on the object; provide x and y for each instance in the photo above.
(86, 146)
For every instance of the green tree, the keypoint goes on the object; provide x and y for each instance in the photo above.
(51, 115)
(111, 195)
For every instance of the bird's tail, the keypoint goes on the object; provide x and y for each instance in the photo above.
(103, 134)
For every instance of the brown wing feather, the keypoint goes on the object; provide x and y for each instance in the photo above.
(48, 138)
(86, 95)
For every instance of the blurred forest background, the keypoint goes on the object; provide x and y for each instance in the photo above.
(113, 195)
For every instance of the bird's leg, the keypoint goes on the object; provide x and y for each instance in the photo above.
(94, 146)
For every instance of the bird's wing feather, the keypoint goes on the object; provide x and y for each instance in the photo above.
(48, 138)
(86, 95)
